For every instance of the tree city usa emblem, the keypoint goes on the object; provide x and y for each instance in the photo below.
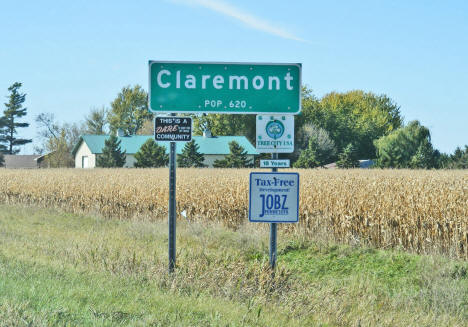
(274, 129)
(275, 133)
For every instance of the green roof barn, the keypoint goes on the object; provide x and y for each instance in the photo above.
(213, 148)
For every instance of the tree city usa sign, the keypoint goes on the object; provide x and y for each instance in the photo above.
(231, 88)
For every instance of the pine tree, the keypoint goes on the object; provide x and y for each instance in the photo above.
(3, 148)
(309, 157)
(151, 155)
(2, 159)
(237, 158)
(112, 155)
(348, 158)
(459, 159)
(424, 156)
(190, 156)
(9, 122)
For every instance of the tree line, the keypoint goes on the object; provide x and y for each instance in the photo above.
(338, 127)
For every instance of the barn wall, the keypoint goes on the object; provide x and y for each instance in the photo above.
(130, 161)
(84, 150)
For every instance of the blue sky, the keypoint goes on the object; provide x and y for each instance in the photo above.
(75, 55)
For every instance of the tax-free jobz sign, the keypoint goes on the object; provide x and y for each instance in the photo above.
(232, 88)
(174, 129)
(274, 197)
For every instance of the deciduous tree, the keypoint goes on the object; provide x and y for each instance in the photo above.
(227, 125)
(317, 148)
(353, 117)
(129, 110)
(58, 140)
(59, 154)
(96, 121)
(147, 128)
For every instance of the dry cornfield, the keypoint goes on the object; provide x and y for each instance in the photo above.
(421, 211)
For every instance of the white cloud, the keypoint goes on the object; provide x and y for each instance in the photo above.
(247, 19)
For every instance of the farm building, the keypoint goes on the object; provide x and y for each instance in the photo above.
(29, 161)
(364, 163)
(212, 148)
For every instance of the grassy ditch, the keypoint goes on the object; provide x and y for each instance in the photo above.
(64, 269)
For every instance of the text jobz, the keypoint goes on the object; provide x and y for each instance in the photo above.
(274, 197)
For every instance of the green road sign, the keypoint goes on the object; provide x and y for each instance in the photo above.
(231, 88)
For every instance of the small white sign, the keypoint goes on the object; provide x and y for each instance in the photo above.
(274, 163)
(275, 134)
(274, 197)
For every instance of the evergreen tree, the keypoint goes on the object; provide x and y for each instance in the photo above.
(307, 158)
(424, 157)
(348, 158)
(3, 148)
(2, 159)
(190, 156)
(237, 158)
(112, 155)
(459, 159)
(151, 155)
(9, 122)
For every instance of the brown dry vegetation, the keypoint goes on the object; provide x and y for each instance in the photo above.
(421, 211)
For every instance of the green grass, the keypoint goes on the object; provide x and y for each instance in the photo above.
(60, 269)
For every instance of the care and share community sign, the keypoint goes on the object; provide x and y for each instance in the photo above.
(231, 88)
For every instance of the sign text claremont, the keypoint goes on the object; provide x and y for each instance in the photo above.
(242, 88)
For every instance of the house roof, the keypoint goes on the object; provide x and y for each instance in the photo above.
(131, 144)
(20, 161)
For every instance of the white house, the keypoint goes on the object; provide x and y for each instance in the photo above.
(89, 147)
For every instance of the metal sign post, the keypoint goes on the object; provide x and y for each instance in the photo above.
(172, 206)
(174, 129)
(273, 227)
(275, 134)
(274, 198)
